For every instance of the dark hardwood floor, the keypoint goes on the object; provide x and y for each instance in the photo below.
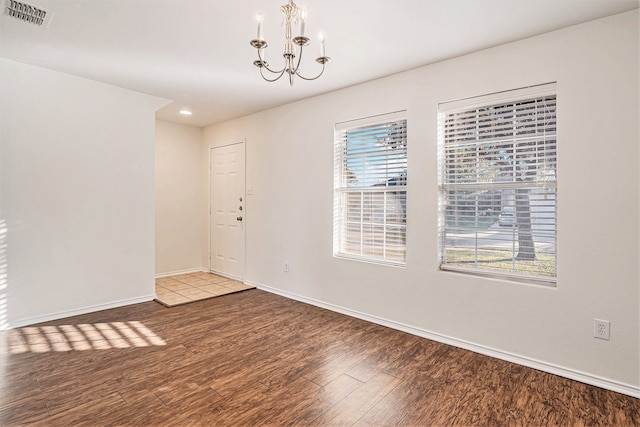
(254, 358)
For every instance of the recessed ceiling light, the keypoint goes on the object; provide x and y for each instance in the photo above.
(27, 13)
(185, 112)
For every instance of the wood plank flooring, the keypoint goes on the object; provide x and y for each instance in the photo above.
(254, 358)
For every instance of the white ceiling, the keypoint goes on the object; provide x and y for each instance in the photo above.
(197, 52)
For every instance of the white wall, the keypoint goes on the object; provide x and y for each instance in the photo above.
(180, 230)
(76, 194)
(289, 216)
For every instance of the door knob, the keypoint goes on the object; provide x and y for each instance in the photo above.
(239, 218)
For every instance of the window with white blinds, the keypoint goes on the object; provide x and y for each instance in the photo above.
(498, 177)
(370, 189)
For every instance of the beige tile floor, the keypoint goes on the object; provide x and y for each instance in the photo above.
(185, 288)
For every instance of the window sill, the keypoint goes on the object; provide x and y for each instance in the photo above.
(351, 257)
(546, 282)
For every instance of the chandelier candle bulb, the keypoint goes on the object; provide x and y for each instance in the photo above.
(259, 20)
(321, 37)
(303, 15)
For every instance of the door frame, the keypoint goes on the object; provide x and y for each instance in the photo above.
(244, 215)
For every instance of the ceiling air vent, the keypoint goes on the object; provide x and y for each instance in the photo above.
(27, 13)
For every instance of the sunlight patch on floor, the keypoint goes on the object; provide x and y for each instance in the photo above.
(81, 337)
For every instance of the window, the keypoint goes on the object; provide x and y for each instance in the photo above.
(370, 189)
(497, 161)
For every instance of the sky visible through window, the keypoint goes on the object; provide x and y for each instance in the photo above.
(376, 155)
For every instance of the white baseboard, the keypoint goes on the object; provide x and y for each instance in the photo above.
(228, 276)
(78, 311)
(187, 271)
(583, 377)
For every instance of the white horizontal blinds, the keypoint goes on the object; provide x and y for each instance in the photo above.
(370, 189)
(498, 185)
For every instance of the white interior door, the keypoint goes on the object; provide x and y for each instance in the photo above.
(226, 210)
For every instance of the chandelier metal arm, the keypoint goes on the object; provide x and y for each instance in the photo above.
(266, 67)
(279, 73)
(310, 78)
(295, 70)
(265, 64)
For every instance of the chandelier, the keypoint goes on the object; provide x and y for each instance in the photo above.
(293, 15)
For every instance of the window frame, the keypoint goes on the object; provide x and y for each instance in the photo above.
(390, 197)
(543, 187)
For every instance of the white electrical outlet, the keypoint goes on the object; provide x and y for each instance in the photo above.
(286, 267)
(601, 329)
